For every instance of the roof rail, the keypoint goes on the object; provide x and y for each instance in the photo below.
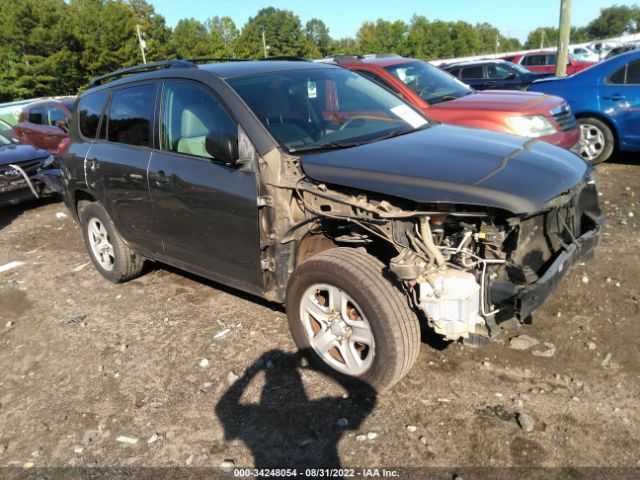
(290, 58)
(147, 67)
(215, 59)
(380, 55)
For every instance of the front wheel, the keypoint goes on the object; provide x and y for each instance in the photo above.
(341, 306)
(596, 140)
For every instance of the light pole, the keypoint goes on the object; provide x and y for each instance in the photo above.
(264, 41)
(563, 38)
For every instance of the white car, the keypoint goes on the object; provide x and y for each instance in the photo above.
(584, 54)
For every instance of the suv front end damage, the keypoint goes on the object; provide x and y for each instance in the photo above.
(467, 269)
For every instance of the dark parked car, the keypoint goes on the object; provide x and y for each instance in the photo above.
(43, 124)
(19, 169)
(493, 74)
(606, 102)
(310, 185)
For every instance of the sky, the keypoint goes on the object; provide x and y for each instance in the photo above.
(515, 18)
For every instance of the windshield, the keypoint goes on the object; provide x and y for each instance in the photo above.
(518, 68)
(317, 108)
(432, 84)
(4, 140)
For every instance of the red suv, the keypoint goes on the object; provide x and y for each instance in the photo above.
(43, 123)
(545, 62)
(444, 98)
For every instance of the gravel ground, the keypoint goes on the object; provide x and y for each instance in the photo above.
(173, 370)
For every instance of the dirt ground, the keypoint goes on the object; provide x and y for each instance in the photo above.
(85, 363)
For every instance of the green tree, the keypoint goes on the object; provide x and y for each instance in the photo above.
(542, 37)
(224, 35)
(283, 34)
(155, 32)
(318, 39)
(615, 21)
(38, 55)
(190, 39)
(382, 37)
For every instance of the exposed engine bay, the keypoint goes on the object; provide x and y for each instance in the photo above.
(466, 268)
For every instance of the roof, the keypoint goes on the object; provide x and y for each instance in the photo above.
(475, 62)
(240, 69)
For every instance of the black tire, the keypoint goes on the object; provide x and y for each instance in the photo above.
(592, 125)
(126, 264)
(395, 327)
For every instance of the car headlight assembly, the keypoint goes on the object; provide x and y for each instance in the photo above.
(532, 126)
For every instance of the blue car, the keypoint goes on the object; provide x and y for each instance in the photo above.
(605, 99)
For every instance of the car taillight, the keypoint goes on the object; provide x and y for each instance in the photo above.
(62, 146)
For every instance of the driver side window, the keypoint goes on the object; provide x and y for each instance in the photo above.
(190, 116)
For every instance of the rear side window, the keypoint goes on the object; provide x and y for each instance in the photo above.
(627, 75)
(472, 72)
(633, 73)
(534, 60)
(37, 115)
(90, 109)
(130, 114)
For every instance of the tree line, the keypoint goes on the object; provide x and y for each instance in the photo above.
(53, 47)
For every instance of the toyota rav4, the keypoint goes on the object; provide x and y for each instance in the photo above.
(309, 185)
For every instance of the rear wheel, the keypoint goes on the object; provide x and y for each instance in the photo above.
(597, 140)
(111, 256)
(356, 322)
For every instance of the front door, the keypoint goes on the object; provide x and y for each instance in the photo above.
(206, 210)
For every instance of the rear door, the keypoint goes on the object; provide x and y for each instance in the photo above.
(206, 210)
(474, 76)
(116, 165)
(620, 96)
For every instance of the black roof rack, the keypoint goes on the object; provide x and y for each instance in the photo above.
(215, 59)
(147, 67)
(289, 58)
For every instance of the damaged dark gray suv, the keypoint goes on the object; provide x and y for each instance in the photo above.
(311, 186)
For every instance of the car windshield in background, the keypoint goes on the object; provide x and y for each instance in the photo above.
(431, 83)
(518, 68)
(4, 140)
(319, 109)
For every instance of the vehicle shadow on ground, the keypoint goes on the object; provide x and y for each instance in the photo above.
(285, 429)
(9, 213)
(625, 158)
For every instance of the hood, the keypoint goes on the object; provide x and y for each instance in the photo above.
(20, 153)
(454, 165)
(501, 101)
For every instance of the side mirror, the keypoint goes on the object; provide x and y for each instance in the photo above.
(222, 146)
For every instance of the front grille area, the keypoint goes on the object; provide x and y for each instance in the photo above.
(9, 174)
(564, 117)
(541, 237)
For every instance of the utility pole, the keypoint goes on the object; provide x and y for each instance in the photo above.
(542, 41)
(264, 42)
(143, 44)
(563, 38)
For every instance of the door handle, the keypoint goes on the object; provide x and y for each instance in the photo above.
(161, 179)
(615, 97)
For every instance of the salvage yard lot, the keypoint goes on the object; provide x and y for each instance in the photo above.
(115, 375)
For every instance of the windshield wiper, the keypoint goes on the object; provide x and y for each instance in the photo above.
(325, 146)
